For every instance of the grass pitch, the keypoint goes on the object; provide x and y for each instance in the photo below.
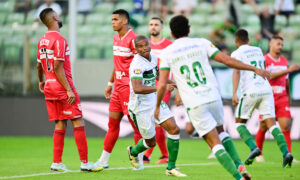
(31, 157)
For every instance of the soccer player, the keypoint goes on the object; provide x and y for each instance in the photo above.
(61, 97)
(123, 49)
(256, 94)
(158, 43)
(278, 66)
(143, 72)
(188, 60)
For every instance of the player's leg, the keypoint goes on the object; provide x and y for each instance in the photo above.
(260, 138)
(285, 126)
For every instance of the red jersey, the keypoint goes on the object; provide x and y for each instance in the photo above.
(123, 54)
(278, 84)
(156, 49)
(54, 47)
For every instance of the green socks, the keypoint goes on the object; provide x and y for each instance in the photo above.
(140, 147)
(246, 136)
(230, 148)
(225, 160)
(280, 139)
(173, 147)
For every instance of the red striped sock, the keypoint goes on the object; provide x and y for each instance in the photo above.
(287, 136)
(80, 139)
(161, 140)
(112, 134)
(259, 139)
(58, 144)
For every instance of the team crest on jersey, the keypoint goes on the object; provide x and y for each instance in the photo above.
(212, 45)
(137, 71)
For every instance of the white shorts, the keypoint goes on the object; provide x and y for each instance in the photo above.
(263, 102)
(145, 121)
(206, 117)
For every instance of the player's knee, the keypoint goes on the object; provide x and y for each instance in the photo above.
(189, 128)
(174, 130)
(61, 124)
(151, 142)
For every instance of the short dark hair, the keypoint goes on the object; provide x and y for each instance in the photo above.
(276, 37)
(179, 26)
(122, 12)
(242, 35)
(139, 38)
(44, 14)
(157, 18)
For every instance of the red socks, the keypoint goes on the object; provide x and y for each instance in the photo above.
(58, 144)
(137, 136)
(260, 138)
(161, 142)
(287, 136)
(80, 139)
(112, 134)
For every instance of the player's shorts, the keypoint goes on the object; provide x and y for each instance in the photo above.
(145, 121)
(282, 107)
(206, 117)
(62, 110)
(263, 102)
(119, 101)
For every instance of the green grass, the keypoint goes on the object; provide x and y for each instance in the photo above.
(31, 155)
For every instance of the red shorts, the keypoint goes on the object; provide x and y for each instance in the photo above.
(119, 102)
(61, 110)
(282, 108)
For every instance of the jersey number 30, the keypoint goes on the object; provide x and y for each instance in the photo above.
(198, 71)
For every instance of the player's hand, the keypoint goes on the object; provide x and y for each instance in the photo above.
(107, 92)
(71, 97)
(294, 67)
(263, 73)
(171, 87)
(41, 86)
(156, 113)
(235, 100)
(177, 100)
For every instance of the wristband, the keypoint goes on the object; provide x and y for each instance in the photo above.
(109, 83)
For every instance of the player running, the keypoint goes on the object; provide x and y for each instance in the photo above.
(61, 97)
(123, 48)
(278, 66)
(256, 94)
(143, 72)
(188, 60)
(158, 43)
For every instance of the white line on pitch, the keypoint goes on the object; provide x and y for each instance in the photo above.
(109, 169)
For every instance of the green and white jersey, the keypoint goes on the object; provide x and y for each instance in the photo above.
(187, 58)
(249, 81)
(141, 68)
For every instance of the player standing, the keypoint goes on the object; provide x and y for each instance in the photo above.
(256, 94)
(143, 72)
(123, 49)
(278, 66)
(187, 58)
(158, 43)
(61, 97)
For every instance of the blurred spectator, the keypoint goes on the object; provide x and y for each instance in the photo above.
(49, 4)
(214, 4)
(64, 4)
(84, 7)
(159, 7)
(260, 42)
(138, 8)
(218, 35)
(285, 7)
(234, 11)
(184, 7)
(23, 6)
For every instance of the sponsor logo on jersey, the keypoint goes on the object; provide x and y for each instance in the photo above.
(125, 103)
(119, 74)
(44, 42)
(137, 71)
(67, 112)
(212, 45)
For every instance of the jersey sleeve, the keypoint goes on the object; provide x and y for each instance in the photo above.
(38, 55)
(60, 49)
(136, 72)
(211, 49)
(163, 63)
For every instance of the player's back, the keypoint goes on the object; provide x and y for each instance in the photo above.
(250, 82)
(188, 59)
(53, 47)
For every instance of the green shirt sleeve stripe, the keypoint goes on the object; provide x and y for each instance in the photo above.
(214, 54)
(165, 68)
(136, 77)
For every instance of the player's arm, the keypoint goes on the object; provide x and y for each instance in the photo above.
(161, 89)
(139, 88)
(231, 62)
(291, 69)
(60, 74)
(108, 89)
(254, 6)
(40, 76)
(235, 85)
